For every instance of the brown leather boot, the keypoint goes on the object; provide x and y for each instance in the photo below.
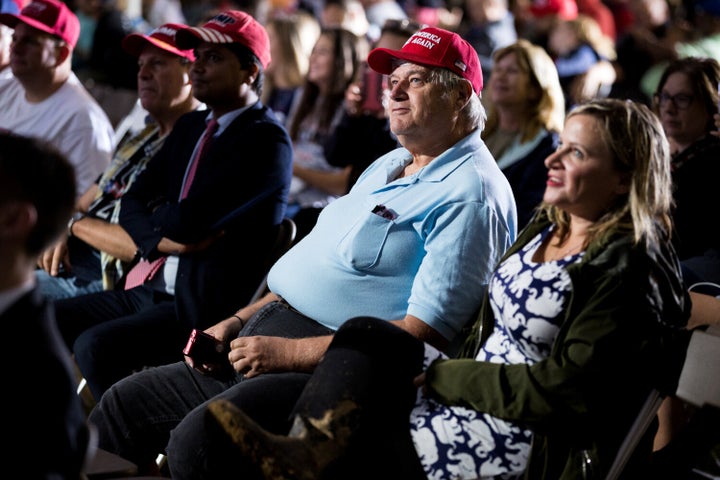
(306, 453)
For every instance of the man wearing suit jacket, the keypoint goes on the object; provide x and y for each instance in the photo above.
(49, 439)
(212, 223)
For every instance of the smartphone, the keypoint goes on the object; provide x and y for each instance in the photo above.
(373, 86)
(205, 349)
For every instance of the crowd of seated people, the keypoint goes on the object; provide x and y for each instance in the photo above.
(309, 84)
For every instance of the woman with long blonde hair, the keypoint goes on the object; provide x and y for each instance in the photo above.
(526, 109)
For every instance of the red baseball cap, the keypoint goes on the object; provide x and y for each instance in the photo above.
(49, 16)
(232, 26)
(565, 9)
(433, 47)
(162, 37)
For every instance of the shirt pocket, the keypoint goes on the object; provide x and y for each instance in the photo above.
(362, 246)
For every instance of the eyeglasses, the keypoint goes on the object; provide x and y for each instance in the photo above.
(681, 100)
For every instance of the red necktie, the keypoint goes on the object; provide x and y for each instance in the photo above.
(145, 270)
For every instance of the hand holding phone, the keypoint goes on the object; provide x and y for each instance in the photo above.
(205, 349)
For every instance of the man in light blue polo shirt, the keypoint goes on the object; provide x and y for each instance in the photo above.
(429, 256)
(413, 242)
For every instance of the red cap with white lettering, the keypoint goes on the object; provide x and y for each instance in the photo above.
(433, 47)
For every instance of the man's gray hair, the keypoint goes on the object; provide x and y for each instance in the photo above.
(474, 112)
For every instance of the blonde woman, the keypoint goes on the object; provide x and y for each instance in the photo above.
(292, 37)
(526, 109)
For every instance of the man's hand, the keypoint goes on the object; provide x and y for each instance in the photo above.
(255, 355)
(54, 256)
(174, 248)
(224, 331)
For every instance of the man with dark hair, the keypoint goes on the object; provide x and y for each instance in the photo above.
(37, 193)
(203, 214)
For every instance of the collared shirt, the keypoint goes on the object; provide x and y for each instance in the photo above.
(423, 245)
(130, 159)
(166, 281)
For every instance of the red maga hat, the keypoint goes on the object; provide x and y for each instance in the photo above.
(162, 37)
(49, 16)
(232, 26)
(565, 9)
(433, 47)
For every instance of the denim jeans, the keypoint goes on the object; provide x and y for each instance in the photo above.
(85, 276)
(136, 416)
(60, 287)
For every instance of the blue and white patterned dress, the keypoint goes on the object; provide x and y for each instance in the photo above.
(527, 300)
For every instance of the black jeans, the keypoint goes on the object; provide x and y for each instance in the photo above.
(116, 332)
(162, 410)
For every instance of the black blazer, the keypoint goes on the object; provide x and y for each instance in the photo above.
(240, 188)
(49, 435)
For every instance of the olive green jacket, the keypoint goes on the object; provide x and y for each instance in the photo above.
(621, 337)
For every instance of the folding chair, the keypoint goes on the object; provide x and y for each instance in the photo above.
(698, 386)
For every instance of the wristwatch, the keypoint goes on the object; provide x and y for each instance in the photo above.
(75, 217)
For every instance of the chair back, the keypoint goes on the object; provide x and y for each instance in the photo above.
(702, 362)
(287, 230)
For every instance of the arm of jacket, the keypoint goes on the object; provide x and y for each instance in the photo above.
(251, 160)
(613, 340)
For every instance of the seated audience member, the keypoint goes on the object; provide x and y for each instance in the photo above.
(413, 243)
(578, 46)
(643, 43)
(96, 251)
(45, 99)
(292, 38)
(686, 103)
(599, 11)
(535, 392)
(204, 223)
(488, 25)
(535, 18)
(334, 64)
(525, 115)
(50, 439)
(699, 37)
(347, 14)
(363, 133)
(105, 68)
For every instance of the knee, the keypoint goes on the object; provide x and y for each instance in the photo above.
(87, 351)
(374, 334)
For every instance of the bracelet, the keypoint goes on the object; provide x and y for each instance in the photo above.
(242, 322)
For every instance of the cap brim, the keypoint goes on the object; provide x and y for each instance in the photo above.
(191, 37)
(135, 42)
(381, 60)
(12, 20)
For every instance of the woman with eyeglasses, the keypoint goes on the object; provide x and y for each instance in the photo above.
(686, 102)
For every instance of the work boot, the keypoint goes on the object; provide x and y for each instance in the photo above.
(308, 452)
